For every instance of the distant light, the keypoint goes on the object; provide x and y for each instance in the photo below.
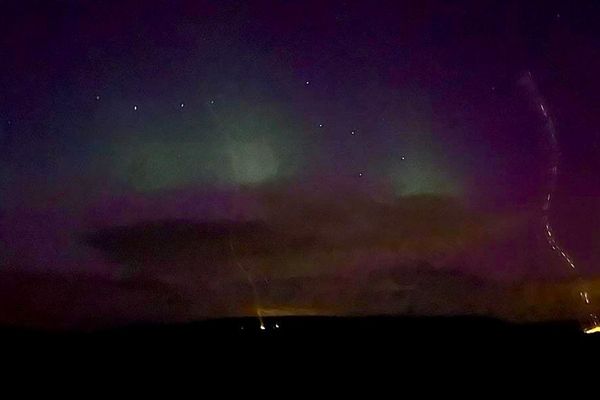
(307, 83)
(134, 108)
(595, 329)
(242, 327)
(212, 102)
(97, 97)
(353, 132)
(360, 174)
(262, 326)
(403, 158)
(320, 125)
(182, 105)
(277, 326)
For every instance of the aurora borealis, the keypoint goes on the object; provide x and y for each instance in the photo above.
(340, 153)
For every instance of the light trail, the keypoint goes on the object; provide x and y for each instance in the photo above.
(553, 170)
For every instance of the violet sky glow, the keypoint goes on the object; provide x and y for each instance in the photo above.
(360, 141)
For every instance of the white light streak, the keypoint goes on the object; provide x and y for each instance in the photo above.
(550, 130)
(586, 297)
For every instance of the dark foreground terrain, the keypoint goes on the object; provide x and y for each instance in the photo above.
(347, 334)
(300, 350)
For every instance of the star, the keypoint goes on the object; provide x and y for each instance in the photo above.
(97, 97)
(403, 158)
(320, 125)
(353, 133)
(212, 102)
(307, 83)
(182, 105)
(360, 174)
(134, 108)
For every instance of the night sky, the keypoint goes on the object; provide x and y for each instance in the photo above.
(186, 159)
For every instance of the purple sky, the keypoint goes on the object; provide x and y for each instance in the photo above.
(362, 137)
